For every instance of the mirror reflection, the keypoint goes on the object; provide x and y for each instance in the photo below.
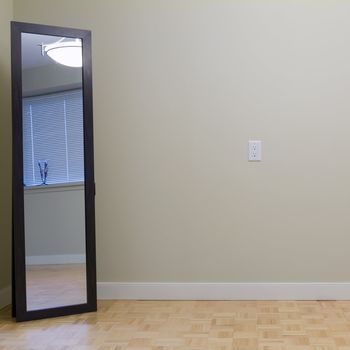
(53, 171)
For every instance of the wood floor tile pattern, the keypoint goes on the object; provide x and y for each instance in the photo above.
(168, 325)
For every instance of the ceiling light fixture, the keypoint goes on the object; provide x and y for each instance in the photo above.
(68, 53)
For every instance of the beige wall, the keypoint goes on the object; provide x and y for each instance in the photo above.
(5, 144)
(179, 88)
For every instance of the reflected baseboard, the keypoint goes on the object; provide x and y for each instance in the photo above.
(5, 297)
(56, 259)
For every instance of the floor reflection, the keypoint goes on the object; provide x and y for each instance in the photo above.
(50, 286)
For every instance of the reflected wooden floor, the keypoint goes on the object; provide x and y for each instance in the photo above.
(161, 325)
(51, 286)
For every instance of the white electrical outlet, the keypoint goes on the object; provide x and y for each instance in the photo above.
(254, 150)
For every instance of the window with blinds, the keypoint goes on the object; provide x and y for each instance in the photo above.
(53, 131)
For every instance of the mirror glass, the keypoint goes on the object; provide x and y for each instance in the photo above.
(53, 171)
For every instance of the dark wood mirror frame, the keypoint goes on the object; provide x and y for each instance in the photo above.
(18, 234)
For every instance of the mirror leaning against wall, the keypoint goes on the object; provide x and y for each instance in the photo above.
(54, 270)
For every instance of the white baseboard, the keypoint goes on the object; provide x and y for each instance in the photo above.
(55, 259)
(223, 291)
(5, 296)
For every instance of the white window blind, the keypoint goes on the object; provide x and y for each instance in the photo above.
(53, 131)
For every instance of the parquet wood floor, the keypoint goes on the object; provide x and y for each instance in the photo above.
(168, 325)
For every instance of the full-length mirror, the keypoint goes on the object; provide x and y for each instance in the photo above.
(53, 171)
(53, 174)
